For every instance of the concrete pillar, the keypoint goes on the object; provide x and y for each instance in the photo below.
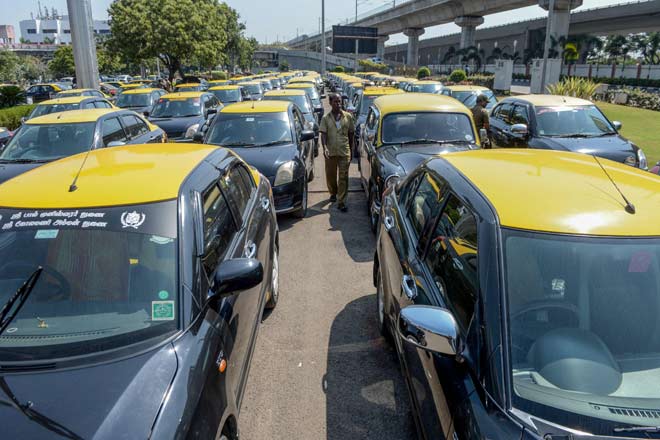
(380, 50)
(559, 18)
(468, 24)
(413, 35)
(84, 44)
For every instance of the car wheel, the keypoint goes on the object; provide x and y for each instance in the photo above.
(275, 282)
(373, 214)
(302, 212)
(380, 300)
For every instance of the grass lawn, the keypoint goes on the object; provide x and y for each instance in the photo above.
(639, 125)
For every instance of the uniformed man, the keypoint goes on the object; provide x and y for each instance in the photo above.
(480, 115)
(337, 135)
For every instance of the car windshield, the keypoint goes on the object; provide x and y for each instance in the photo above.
(365, 103)
(302, 101)
(584, 333)
(69, 93)
(248, 130)
(254, 89)
(177, 107)
(583, 120)
(133, 100)
(226, 96)
(405, 127)
(427, 88)
(108, 280)
(49, 141)
(46, 109)
(469, 97)
(311, 92)
(189, 89)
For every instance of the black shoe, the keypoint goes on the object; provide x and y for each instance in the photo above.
(343, 208)
(333, 198)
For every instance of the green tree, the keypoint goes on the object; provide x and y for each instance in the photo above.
(62, 63)
(108, 61)
(648, 44)
(175, 31)
(32, 69)
(617, 46)
(284, 66)
(9, 66)
(248, 47)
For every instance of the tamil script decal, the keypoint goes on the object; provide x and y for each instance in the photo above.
(132, 219)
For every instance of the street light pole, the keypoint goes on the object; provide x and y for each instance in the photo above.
(546, 48)
(84, 45)
(357, 42)
(323, 65)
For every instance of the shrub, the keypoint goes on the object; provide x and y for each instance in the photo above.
(636, 98)
(370, 66)
(423, 72)
(339, 69)
(11, 96)
(11, 117)
(218, 75)
(284, 66)
(457, 76)
(577, 87)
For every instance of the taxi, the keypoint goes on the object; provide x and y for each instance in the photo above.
(67, 103)
(182, 114)
(189, 87)
(81, 92)
(146, 267)
(140, 100)
(46, 138)
(299, 98)
(254, 88)
(361, 103)
(403, 131)
(5, 136)
(272, 137)
(424, 86)
(42, 92)
(132, 86)
(228, 94)
(499, 291)
(468, 94)
(313, 94)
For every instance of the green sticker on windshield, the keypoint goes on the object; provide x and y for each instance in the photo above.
(162, 310)
(46, 234)
(163, 294)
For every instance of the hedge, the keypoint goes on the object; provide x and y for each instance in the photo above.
(636, 98)
(11, 117)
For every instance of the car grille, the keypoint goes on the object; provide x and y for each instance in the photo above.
(635, 412)
(283, 201)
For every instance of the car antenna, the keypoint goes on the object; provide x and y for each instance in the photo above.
(73, 186)
(630, 208)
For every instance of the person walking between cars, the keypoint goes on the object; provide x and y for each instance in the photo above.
(337, 133)
(480, 116)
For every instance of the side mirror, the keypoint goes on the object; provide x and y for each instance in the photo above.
(198, 137)
(233, 276)
(350, 109)
(211, 111)
(307, 135)
(519, 129)
(23, 119)
(483, 134)
(116, 144)
(617, 125)
(146, 113)
(433, 329)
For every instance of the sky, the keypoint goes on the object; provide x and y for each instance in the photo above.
(282, 20)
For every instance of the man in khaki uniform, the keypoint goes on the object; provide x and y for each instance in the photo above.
(480, 115)
(337, 131)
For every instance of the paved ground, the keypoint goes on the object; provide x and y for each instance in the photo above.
(320, 368)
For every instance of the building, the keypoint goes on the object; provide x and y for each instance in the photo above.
(7, 35)
(54, 29)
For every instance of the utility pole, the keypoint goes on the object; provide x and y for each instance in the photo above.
(357, 42)
(84, 44)
(323, 64)
(546, 49)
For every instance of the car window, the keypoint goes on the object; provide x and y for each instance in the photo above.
(134, 125)
(452, 259)
(502, 112)
(102, 104)
(371, 119)
(219, 228)
(298, 122)
(88, 105)
(237, 186)
(409, 188)
(112, 131)
(519, 115)
(424, 204)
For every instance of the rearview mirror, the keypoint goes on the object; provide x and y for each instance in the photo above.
(211, 111)
(617, 125)
(519, 129)
(238, 274)
(307, 135)
(146, 113)
(198, 137)
(23, 119)
(433, 329)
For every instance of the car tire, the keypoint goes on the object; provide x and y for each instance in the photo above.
(275, 281)
(302, 212)
(374, 217)
(380, 309)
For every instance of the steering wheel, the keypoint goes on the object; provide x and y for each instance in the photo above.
(63, 285)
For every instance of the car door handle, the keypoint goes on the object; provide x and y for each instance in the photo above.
(265, 203)
(409, 287)
(250, 250)
(388, 221)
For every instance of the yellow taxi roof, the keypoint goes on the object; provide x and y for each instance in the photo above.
(140, 91)
(464, 88)
(182, 95)
(563, 192)
(67, 100)
(72, 117)
(55, 85)
(286, 92)
(298, 85)
(257, 107)
(251, 83)
(71, 91)
(187, 85)
(419, 102)
(226, 87)
(131, 85)
(377, 91)
(553, 100)
(111, 176)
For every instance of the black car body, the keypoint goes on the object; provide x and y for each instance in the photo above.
(200, 264)
(301, 99)
(5, 136)
(270, 136)
(402, 131)
(313, 94)
(41, 92)
(140, 100)
(182, 114)
(561, 123)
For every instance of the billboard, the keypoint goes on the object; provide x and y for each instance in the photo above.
(344, 38)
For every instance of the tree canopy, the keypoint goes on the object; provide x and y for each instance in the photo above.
(62, 63)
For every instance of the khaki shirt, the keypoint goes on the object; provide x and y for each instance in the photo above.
(480, 116)
(337, 133)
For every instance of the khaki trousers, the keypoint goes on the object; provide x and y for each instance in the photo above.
(336, 176)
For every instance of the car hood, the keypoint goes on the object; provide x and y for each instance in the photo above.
(11, 170)
(407, 158)
(614, 148)
(267, 159)
(116, 400)
(176, 127)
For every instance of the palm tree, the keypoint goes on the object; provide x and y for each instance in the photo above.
(496, 54)
(617, 46)
(449, 55)
(471, 53)
(649, 46)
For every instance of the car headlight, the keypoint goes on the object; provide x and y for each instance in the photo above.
(643, 163)
(285, 173)
(190, 132)
(391, 180)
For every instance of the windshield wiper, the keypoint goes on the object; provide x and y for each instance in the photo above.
(18, 298)
(576, 135)
(421, 141)
(22, 160)
(645, 429)
(268, 144)
(237, 144)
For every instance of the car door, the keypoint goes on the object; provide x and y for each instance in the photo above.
(499, 124)
(367, 148)
(137, 130)
(252, 242)
(519, 115)
(304, 147)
